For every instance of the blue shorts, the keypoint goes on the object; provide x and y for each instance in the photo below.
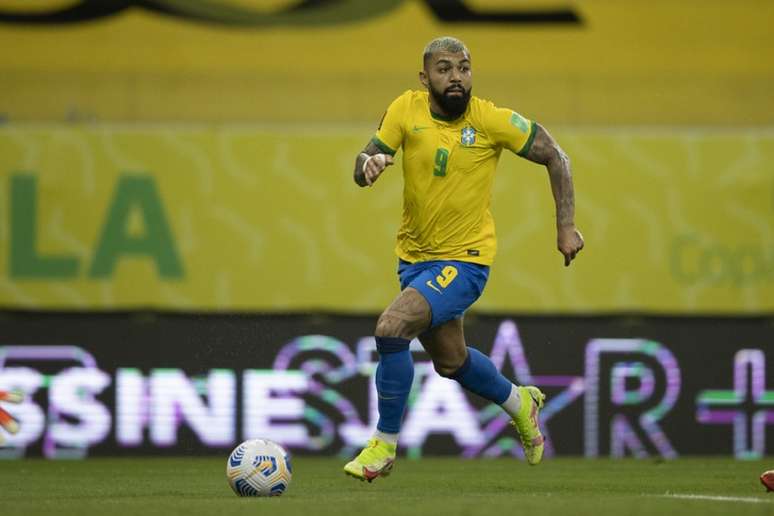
(449, 286)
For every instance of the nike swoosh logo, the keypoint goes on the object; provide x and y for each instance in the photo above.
(430, 284)
(416, 129)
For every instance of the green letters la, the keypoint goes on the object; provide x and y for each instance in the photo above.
(136, 192)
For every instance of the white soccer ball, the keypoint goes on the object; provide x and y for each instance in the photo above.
(259, 467)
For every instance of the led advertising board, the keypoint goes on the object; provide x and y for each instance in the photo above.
(117, 384)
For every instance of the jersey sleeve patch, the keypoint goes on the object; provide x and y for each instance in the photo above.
(519, 122)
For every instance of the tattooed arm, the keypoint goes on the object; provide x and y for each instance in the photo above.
(377, 162)
(546, 151)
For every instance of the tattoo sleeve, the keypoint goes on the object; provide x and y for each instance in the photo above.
(546, 151)
(369, 150)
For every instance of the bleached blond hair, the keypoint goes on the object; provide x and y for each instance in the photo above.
(444, 44)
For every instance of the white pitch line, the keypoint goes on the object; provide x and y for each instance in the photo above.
(716, 498)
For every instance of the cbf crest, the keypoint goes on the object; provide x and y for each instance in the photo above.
(468, 136)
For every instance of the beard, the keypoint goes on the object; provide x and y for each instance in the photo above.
(453, 105)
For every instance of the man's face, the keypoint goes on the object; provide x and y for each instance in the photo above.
(448, 78)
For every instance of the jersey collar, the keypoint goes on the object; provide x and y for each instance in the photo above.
(442, 118)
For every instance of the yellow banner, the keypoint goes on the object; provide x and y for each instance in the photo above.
(586, 62)
(267, 219)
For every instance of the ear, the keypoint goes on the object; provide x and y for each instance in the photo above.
(423, 79)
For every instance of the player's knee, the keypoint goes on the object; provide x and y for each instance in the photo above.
(447, 367)
(389, 326)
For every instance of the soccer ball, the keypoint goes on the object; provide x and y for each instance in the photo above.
(259, 467)
(767, 479)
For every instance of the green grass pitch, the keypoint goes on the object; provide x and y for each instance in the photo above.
(430, 486)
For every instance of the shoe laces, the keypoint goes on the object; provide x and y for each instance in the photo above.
(369, 453)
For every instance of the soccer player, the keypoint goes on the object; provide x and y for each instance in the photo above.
(446, 242)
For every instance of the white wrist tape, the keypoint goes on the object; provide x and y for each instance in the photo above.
(366, 162)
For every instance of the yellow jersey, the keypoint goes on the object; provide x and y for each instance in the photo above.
(448, 170)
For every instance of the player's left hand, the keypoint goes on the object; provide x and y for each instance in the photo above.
(7, 421)
(569, 241)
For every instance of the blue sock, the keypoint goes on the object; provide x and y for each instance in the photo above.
(394, 375)
(479, 375)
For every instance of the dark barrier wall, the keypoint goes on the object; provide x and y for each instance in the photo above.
(178, 384)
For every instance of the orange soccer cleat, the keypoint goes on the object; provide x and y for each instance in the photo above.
(7, 421)
(767, 479)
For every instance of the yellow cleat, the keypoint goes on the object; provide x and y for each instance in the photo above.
(526, 423)
(376, 460)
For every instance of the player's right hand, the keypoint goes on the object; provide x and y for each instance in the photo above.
(7, 421)
(375, 165)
